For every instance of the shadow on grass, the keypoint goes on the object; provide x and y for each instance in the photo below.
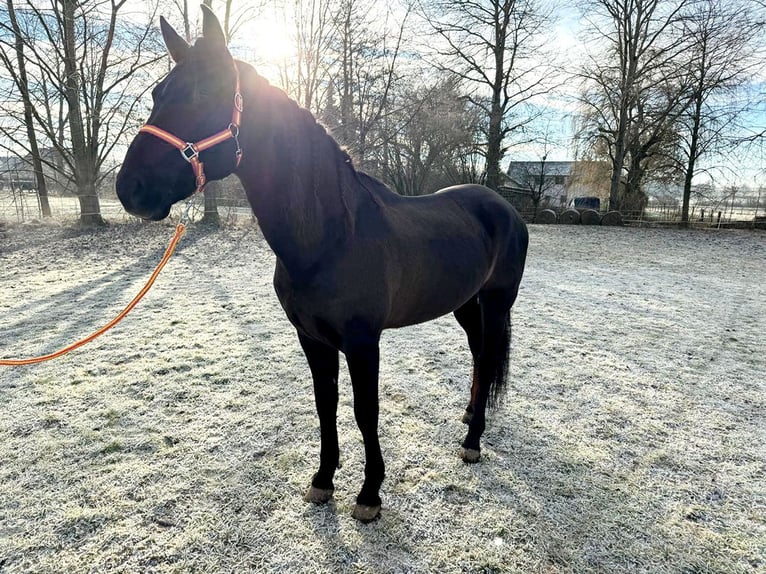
(71, 311)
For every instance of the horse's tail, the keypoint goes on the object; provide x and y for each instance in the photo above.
(497, 385)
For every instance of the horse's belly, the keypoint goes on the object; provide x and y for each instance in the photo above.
(427, 299)
(420, 315)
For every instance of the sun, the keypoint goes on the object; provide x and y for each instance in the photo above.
(267, 43)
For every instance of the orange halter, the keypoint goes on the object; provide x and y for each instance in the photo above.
(190, 151)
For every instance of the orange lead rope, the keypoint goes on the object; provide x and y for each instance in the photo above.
(180, 229)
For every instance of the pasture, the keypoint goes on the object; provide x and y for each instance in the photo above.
(631, 438)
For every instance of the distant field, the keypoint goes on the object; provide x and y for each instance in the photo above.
(710, 212)
(18, 208)
(631, 438)
(24, 206)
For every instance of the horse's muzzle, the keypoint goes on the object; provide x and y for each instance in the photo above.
(138, 200)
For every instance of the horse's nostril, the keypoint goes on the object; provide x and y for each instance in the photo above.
(128, 189)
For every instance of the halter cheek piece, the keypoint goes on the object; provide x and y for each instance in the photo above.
(190, 151)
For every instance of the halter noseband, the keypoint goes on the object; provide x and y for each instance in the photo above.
(190, 151)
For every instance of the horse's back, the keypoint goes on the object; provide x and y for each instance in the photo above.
(502, 223)
(486, 204)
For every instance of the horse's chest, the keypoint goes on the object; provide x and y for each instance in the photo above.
(323, 305)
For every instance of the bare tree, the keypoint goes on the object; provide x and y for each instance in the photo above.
(236, 14)
(183, 7)
(721, 60)
(635, 89)
(496, 47)
(541, 177)
(210, 214)
(425, 137)
(345, 67)
(538, 182)
(367, 45)
(304, 75)
(86, 71)
(21, 82)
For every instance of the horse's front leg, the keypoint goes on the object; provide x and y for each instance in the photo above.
(323, 362)
(363, 359)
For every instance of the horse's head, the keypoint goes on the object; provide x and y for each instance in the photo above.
(197, 103)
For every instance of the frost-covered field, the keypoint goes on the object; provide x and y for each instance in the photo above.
(631, 439)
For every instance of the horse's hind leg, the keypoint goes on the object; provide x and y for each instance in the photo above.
(469, 318)
(492, 365)
(323, 362)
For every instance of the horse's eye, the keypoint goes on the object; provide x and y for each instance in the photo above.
(172, 89)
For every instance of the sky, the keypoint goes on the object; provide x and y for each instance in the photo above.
(266, 41)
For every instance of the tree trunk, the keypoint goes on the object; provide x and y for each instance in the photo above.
(537, 196)
(82, 155)
(23, 85)
(614, 184)
(497, 110)
(494, 144)
(187, 27)
(37, 165)
(346, 101)
(693, 147)
(90, 207)
(618, 159)
(633, 198)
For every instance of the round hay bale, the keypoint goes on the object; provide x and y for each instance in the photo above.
(590, 217)
(570, 217)
(612, 218)
(546, 216)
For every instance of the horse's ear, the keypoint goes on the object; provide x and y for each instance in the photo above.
(177, 46)
(211, 27)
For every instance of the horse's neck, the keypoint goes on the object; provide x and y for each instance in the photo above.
(293, 177)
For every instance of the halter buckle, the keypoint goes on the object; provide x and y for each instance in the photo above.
(189, 152)
(234, 129)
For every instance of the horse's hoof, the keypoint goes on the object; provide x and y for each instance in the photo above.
(365, 514)
(470, 455)
(318, 495)
(467, 417)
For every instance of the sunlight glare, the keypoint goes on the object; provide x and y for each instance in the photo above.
(267, 43)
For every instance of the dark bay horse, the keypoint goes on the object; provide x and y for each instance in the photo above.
(353, 258)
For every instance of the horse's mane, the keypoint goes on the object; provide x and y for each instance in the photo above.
(303, 118)
(311, 132)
